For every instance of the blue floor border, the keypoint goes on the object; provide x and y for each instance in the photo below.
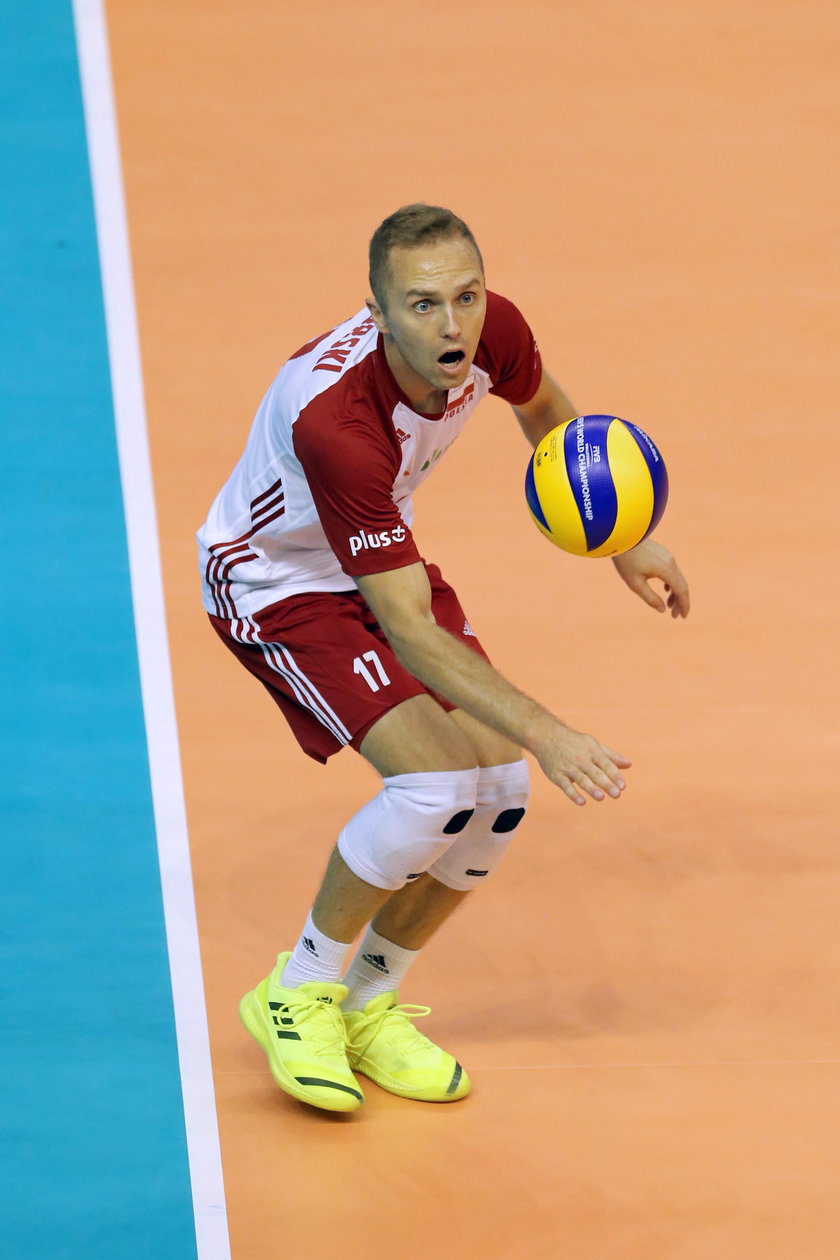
(93, 1140)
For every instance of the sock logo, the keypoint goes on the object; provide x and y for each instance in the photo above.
(309, 945)
(377, 961)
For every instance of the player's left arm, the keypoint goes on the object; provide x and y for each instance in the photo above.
(549, 407)
(649, 560)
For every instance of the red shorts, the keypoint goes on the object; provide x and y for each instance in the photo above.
(327, 664)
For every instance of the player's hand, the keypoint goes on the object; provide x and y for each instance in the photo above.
(651, 560)
(580, 763)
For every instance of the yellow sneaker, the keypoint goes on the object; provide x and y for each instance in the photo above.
(302, 1032)
(383, 1044)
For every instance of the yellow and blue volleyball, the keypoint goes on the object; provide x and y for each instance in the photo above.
(596, 486)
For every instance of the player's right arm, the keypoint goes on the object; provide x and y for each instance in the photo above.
(400, 599)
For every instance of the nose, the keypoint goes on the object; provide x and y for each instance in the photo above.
(450, 327)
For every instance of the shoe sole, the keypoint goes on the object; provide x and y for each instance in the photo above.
(459, 1086)
(345, 1098)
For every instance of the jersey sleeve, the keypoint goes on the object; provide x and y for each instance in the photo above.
(509, 353)
(350, 468)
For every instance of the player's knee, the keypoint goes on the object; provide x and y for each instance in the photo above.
(501, 800)
(408, 826)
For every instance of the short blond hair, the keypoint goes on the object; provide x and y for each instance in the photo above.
(417, 224)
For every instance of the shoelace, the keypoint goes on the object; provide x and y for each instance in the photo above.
(395, 1022)
(325, 1034)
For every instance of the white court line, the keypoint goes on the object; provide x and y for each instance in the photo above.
(657, 1063)
(150, 622)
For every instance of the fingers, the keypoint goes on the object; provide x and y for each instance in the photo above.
(676, 588)
(649, 595)
(651, 560)
(580, 765)
(568, 786)
(679, 601)
(617, 758)
(584, 783)
(598, 779)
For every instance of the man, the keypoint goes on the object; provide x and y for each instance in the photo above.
(313, 579)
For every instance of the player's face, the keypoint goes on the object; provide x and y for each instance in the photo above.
(435, 304)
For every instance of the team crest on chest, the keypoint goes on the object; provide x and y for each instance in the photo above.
(455, 405)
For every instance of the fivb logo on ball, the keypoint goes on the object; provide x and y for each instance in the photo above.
(364, 541)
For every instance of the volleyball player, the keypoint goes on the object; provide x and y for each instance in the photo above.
(313, 578)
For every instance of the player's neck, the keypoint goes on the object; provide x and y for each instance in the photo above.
(424, 398)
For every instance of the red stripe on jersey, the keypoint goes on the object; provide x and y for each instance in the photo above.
(258, 519)
(219, 567)
(266, 520)
(278, 485)
(223, 556)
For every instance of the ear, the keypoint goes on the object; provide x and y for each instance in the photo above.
(377, 314)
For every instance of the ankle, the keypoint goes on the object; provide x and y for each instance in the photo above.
(314, 957)
(379, 966)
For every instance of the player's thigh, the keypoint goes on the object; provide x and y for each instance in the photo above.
(489, 747)
(417, 737)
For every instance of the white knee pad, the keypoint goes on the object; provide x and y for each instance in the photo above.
(501, 800)
(403, 830)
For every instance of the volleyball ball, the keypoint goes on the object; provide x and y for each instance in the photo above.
(596, 486)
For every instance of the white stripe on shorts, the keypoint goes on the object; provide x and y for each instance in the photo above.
(283, 663)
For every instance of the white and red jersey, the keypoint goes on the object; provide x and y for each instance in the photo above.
(322, 493)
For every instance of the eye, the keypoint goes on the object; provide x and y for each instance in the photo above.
(467, 298)
(422, 307)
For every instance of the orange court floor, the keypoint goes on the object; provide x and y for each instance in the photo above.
(646, 997)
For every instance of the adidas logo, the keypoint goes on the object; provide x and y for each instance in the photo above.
(283, 1021)
(377, 961)
(469, 630)
(309, 945)
(403, 437)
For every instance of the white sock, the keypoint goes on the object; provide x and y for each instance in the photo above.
(379, 966)
(315, 957)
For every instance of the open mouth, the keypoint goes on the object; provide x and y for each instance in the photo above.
(452, 358)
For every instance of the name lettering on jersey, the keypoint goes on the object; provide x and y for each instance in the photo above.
(365, 542)
(333, 360)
